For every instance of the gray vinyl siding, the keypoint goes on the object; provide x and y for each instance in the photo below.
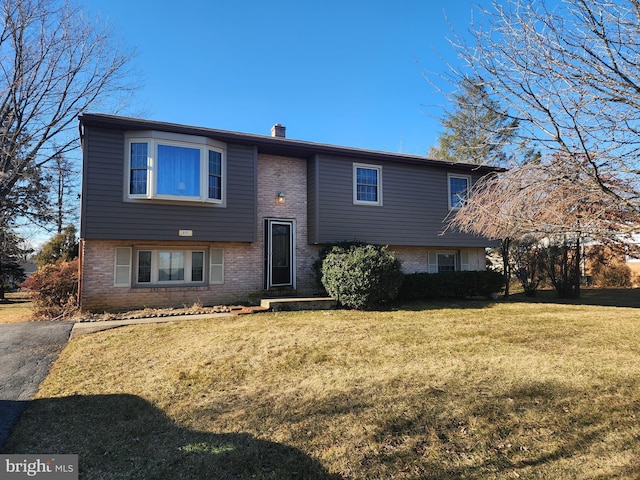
(413, 211)
(313, 213)
(106, 215)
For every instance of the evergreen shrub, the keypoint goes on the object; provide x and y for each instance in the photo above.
(361, 276)
(445, 285)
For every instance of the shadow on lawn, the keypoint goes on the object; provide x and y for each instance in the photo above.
(419, 306)
(532, 430)
(124, 436)
(605, 297)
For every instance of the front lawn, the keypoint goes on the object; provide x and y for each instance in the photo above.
(474, 390)
(16, 308)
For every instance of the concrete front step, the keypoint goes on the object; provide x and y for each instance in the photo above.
(298, 303)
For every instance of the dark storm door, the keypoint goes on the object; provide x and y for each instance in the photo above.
(280, 253)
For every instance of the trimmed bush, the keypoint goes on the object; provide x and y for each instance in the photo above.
(326, 250)
(458, 285)
(361, 276)
(54, 289)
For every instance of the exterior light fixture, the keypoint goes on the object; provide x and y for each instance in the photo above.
(280, 198)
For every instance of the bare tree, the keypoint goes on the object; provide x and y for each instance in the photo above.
(556, 202)
(54, 63)
(569, 76)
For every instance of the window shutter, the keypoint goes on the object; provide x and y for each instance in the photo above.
(433, 262)
(464, 261)
(216, 266)
(122, 268)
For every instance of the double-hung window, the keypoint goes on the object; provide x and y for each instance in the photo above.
(367, 184)
(170, 267)
(449, 261)
(166, 169)
(458, 190)
(443, 261)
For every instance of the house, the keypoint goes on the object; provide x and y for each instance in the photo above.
(175, 215)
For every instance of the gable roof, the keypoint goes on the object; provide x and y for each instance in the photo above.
(270, 145)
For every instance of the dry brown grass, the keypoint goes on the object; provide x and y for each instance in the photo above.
(16, 309)
(475, 391)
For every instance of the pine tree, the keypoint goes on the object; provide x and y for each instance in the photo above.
(11, 255)
(63, 246)
(477, 130)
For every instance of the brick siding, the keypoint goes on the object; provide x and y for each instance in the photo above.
(416, 259)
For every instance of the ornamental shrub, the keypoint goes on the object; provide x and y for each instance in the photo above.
(54, 289)
(326, 250)
(361, 276)
(458, 285)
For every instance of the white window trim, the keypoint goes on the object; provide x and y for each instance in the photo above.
(449, 177)
(155, 251)
(153, 139)
(355, 184)
(433, 260)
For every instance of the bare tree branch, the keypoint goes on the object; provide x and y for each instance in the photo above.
(568, 72)
(54, 64)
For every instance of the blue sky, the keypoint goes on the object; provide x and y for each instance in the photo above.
(343, 72)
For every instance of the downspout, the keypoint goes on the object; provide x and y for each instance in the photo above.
(80, 269)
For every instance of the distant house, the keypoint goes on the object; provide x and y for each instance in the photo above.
(28, 269)
(175, 215)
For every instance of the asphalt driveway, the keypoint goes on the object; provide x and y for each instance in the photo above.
(27, 351)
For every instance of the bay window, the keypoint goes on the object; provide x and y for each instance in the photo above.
(166, 169)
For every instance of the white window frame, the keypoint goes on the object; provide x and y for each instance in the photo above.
(434, 257)
(153, 139)
(378, 168)
(451, 176)
(155, 254)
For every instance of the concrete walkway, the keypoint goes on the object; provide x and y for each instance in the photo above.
(27, 351)
(84, 328)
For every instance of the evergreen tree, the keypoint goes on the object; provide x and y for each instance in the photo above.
(63, 246)
(477, 130)
(11, 255)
